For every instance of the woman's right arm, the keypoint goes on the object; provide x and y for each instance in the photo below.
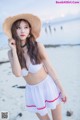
(12, 54)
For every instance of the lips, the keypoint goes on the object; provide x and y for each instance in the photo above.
(22, 35)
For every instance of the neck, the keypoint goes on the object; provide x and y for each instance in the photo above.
(23, 45)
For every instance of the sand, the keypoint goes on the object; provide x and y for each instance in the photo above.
(12, 99)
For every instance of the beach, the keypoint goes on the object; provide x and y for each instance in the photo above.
(65, 59)
(60, 33)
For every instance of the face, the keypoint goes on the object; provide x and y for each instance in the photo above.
(23, 30)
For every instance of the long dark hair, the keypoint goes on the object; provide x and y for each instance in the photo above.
(31, 44)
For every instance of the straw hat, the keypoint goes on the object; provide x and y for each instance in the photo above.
(32, 19)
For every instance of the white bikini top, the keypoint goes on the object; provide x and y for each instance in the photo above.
(32, 69)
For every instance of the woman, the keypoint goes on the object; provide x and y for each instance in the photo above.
(29, 59)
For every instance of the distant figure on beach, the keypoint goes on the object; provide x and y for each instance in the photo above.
(50, 29)
(29, 59)
(61, 27)
(54, 29)
(46, 29)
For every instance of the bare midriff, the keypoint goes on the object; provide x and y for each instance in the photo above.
(35, 78)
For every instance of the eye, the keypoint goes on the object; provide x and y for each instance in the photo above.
(18, 28)
(26, 27)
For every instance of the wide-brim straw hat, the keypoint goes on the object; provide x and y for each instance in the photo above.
(34, 21)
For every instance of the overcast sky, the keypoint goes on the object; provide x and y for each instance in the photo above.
(45, 9)
(42, 8)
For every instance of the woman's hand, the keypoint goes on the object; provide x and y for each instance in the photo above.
(12, 44)
(63, 97)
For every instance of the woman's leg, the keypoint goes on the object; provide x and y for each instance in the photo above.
(57, 113)
(45, 117)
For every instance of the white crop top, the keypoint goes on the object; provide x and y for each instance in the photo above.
(32, 69)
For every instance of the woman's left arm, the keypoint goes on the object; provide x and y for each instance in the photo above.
(49, 67)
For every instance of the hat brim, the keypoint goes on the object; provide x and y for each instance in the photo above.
(34, 21)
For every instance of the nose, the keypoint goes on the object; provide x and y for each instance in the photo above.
(22, 30)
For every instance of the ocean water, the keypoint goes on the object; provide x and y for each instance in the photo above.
(62, 33)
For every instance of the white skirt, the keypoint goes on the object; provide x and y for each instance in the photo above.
(41, 96)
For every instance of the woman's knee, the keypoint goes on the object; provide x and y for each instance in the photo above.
(45, 117)
(57, 113)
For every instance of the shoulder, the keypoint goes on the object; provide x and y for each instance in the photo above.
(40, 45)
(42, 50)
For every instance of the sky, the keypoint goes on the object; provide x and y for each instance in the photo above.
(45, 9)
